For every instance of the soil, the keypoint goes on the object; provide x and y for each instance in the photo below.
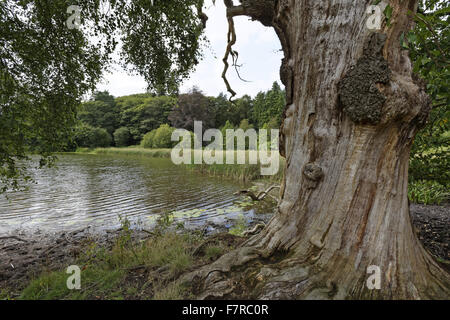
(24, 255)
(432, 224)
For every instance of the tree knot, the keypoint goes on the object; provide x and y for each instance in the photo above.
(313, 174)
(358, 91)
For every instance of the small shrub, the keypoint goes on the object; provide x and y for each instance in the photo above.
(86, 136)
(163, 137)
(147, 141)
(122, 137)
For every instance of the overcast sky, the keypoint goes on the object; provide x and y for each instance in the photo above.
(259, 54)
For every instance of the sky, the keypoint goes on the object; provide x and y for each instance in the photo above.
(259, 55)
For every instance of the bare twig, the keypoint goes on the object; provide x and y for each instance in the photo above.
(13, 237)
(149, 232)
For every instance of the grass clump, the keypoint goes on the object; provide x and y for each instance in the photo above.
(129, 151)
(428, 192)
(5, 294)
(129, 268)
(242, 172)
(173, 291)
(104, 273)
(52, 285)
(213, 252)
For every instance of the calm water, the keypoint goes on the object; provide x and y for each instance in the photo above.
(91, 190)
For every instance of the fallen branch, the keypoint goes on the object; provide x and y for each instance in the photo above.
(260, 195)
(149, 232)
(13, 237)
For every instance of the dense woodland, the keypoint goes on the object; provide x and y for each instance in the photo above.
(106, 121)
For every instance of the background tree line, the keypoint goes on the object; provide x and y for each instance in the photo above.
(106, 121)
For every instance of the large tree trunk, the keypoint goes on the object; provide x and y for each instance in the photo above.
(353, 112)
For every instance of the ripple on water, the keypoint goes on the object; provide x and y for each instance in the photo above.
(86, 190)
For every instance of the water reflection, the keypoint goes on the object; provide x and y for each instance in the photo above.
(90, 190)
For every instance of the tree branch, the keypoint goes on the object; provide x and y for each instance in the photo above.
(260, 195)
(233, 11)
(231, 42)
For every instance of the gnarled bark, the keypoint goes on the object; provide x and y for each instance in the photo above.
(353, 112)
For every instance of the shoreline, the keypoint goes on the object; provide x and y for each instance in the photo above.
(243, 173)
(39, 255)
(29, 256)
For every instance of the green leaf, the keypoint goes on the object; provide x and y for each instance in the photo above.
(412, 38)
(388, 14)
(403, 43)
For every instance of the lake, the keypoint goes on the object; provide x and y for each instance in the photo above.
(93, 190)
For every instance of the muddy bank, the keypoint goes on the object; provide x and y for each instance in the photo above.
(432, 225)
(24, 256)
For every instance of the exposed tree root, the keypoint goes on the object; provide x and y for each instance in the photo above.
(213, 281)
(254, 230)
(249, 273)
(245, 274)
